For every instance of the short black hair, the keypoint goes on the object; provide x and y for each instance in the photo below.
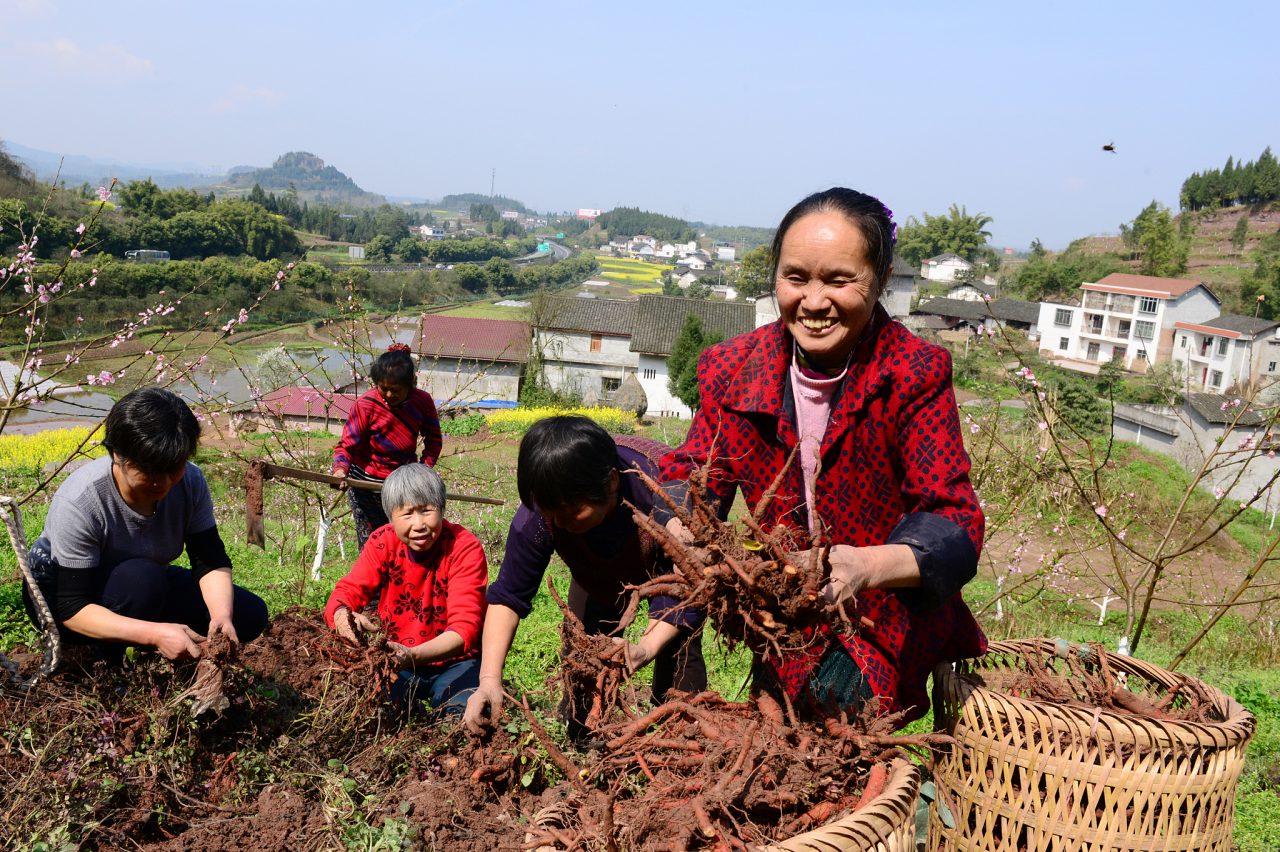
(563, 460)
(394, 366)
(152, 429)
(867, 212)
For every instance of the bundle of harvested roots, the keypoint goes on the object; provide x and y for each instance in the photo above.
(1071, 681)
(701, 772)
(760, 588)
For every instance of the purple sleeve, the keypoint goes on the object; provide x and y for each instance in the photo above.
(529, 549)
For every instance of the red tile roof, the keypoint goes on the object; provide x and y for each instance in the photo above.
(306, 402)
(482, 340)
(1169, 288)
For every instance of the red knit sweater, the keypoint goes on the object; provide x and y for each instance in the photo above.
(425, 594)
(378, 438)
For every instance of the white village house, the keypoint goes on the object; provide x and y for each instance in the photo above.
(586, 344)
(463, 360)
(589, 346)
(1124, 317)
(1229, 353)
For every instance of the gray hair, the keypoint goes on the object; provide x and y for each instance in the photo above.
(413, 485)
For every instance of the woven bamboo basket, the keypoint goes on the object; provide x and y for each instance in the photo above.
(1044, 777)
(886, 824)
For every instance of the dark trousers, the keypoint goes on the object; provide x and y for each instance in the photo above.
(677, 666)
(445, 687)
(148, 591)
(366, 512)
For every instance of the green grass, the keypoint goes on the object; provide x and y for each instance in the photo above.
(1241, 656)
(485, 310)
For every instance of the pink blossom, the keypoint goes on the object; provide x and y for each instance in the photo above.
(973, 429)
(1042, 425)
(104, 194)
(1120, 535)
(1100, 511)
(1218, 493)
(75, 253)
(80, 228)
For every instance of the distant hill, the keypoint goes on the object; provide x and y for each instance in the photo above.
(308, 175)
(78, 168)
(462, 202)
(1213, 259)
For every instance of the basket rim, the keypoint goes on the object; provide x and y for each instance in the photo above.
(1239, 723)
(877, 821)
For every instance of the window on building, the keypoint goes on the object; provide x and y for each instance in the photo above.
(1144, 330)
(1182, 341)
(1215, 378)
(608, 386)
(1223, 343)
(596, 341)
(1147, 305)
(1062, 317)
(650, 373)
(1093, 351)
(1120, 353)
(1271, 368)
(1123, 327)
(1064, 343)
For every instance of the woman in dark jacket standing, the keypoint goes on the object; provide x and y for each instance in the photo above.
(881, 471)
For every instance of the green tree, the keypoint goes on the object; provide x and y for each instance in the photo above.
(378, 249)
(682, 363)
(1163, 252)
(470, 277)
(501, 276)
(1260, 292)
(753, 279)
(958, 231)
(1240, 234)
(411, 250)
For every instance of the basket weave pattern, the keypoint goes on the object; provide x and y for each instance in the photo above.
(886, 824)
(1044, 777)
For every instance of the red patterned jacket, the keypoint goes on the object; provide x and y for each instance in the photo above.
(893, 470)
(378, 438)
(424, 594)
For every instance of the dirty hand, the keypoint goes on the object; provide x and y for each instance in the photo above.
(222, 624)
(484, 707)
(347, 623)
(638, 654)
(403, 654)
(177, 641)
(850, 574)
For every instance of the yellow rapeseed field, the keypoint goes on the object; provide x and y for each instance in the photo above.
(25, 453)
(519, 420)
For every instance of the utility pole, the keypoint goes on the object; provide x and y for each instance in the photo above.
(493, 178)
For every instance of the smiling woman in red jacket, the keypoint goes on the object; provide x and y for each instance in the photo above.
(881, 471)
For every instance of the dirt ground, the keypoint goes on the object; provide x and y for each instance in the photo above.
(308, 755)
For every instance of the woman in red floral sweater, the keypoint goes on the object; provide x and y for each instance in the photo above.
(433, 575)
(881, 473)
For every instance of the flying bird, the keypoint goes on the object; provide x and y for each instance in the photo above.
(1110, 146)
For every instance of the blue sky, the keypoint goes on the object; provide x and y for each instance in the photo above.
(723, 112)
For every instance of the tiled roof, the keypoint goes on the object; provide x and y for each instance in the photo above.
(1173, 287)
(660, 318)
(942, 258)
(1014, 310)
(1236, 322)
(1209, 406)
(904, 269)
(481, 340)
(306, 402)
(598, 316)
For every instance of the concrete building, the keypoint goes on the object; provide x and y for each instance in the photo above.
(1213, 428)
(1124, 317)
(1229, 354)
(586, 345)
(462, 360)
(295, 408)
